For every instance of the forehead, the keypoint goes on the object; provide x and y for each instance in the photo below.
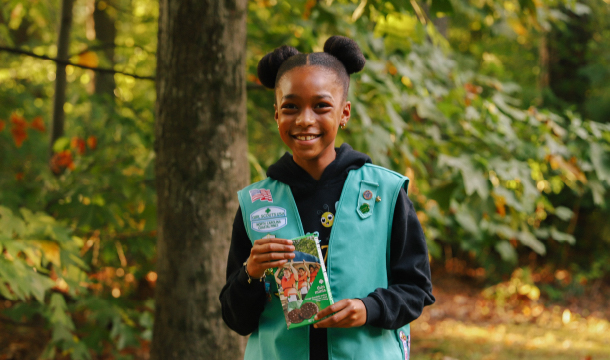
(307, 81)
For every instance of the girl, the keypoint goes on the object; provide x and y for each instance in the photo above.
(303, 280)
(376, 257)
(313, 272)
(288, 282)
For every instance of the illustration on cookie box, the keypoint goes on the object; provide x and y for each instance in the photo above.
(302, 288)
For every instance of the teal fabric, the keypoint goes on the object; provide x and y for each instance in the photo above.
(272, 340)
(357, 264)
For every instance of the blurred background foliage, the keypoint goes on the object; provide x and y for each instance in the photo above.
(498, 111)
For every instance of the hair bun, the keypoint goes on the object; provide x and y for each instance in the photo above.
(269, 65)
(347, 51)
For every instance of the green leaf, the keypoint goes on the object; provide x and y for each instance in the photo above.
(10, 224)
(601, 161)
(528, 239)
(561, 236)
(39, 285)
(563, 213)
(506, 251)
(598, 190)
(474, 180)
(61, 144)
(466, 220)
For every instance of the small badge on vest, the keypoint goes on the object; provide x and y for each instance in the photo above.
(367, 195)
(364, 208)
(366, 205)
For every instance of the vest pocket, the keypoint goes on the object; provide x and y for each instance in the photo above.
(366, 198)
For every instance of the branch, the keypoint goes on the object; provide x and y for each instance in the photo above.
(249, 86)
(66, 62)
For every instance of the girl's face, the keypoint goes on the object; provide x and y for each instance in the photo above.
(309, 110)
(301, 272)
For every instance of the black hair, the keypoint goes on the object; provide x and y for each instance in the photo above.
(341, 55)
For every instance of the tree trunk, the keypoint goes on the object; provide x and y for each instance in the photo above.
(567, 56)
(201, 162)
(105, 33)
(63, 43)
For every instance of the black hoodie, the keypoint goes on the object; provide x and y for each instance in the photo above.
(391, 308)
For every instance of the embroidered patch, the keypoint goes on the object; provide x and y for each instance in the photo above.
(406, 343)
(268, 219)
(261, 194)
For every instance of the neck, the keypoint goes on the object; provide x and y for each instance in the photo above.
(315, 167)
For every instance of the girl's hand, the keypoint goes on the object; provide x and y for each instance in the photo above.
(348, 313)
(268, 253)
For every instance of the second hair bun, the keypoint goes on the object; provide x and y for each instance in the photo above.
(347, 51)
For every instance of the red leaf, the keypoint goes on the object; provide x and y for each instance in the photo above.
(18, 129)
(38, 124)
(92, 142)
(62, 160)
(78, 144)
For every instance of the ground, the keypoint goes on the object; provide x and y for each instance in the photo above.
(510, 321)
(469, 321)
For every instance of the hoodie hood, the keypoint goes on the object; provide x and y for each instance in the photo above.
(291, 174)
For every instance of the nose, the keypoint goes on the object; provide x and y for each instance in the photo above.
(306, 118)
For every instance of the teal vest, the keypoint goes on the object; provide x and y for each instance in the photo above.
(358, 262)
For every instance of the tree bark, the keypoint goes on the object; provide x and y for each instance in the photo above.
(105, 33)
(201, 162)
(63, 43)
(567, 56)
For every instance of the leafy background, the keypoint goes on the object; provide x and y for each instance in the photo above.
(497, 111)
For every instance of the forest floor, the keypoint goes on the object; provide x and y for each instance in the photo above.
(469, 321)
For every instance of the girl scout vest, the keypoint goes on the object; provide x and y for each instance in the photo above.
(358, 262)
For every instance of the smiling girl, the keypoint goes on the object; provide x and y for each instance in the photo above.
(376, 260)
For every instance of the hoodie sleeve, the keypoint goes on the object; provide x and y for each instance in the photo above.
(242, 302)
(411, 288)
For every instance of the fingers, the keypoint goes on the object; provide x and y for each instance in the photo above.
(270, 256)
(270, 245)
(269, 253)
(347, 313)
(331, 309)
(272, 240)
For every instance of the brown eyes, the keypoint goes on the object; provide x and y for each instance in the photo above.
(317, 106)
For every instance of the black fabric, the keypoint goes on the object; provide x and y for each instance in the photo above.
(391, 308)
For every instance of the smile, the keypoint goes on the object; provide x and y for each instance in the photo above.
(305, 137)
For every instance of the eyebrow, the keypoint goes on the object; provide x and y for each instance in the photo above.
(321, 96)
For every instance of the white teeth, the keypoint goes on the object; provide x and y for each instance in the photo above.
(307, 137)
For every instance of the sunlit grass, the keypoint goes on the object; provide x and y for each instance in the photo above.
(583, 338)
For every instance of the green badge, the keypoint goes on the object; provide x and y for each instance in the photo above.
(364, 208)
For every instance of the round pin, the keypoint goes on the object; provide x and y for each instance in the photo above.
(378, 199)
(368, 195)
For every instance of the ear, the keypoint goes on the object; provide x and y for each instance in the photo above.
(276, 114)
(346, 113)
